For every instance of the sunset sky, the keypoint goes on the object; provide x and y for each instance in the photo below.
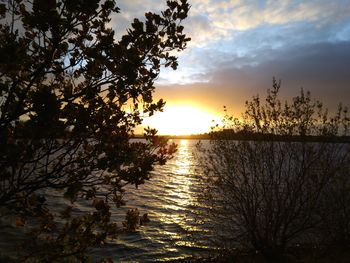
(239, 45)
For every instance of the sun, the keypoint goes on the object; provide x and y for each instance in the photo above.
(181, 120)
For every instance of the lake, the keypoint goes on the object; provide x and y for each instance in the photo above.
(174, 228)
(178, 228)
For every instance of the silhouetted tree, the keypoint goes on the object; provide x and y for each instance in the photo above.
(266, 193)
(71, 95)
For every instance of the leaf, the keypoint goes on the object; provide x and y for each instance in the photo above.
(20, 221)
(72, 191)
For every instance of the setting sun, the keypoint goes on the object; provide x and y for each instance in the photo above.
(181, 120)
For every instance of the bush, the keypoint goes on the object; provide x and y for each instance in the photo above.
(267, 173)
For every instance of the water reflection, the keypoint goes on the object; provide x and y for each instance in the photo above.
(169, 200)
(178, 195)
(182, 176)
(179, 201)
(184, 159)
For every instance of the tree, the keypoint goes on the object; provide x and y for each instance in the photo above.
(266, 190)
(70, 97)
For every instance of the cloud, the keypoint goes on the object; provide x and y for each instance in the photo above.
(215, 20)
(316, 65)
(239, 45)
(133, 9)
(321, 68)
(248, 14)
(221, 30)
(202, 30)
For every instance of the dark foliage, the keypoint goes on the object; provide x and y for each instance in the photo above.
(71, 95)
(267, 194)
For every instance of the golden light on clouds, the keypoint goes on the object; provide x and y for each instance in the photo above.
(238, 46)
(181, 120)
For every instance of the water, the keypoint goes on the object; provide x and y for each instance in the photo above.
(169, 200)
(173, 232)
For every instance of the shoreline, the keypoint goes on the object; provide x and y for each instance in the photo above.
(256, 137)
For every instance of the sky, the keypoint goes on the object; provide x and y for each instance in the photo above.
(238, 46)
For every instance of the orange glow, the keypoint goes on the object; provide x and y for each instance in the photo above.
(181, 120)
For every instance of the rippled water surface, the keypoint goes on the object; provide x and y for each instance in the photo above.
(168, 198)
(173, 232)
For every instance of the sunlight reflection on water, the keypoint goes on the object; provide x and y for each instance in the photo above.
(169, 200)
(181, 170)
(184, 159)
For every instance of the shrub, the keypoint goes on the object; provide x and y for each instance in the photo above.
(267, 173)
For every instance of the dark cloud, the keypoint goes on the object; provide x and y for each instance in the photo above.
(323, 69)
